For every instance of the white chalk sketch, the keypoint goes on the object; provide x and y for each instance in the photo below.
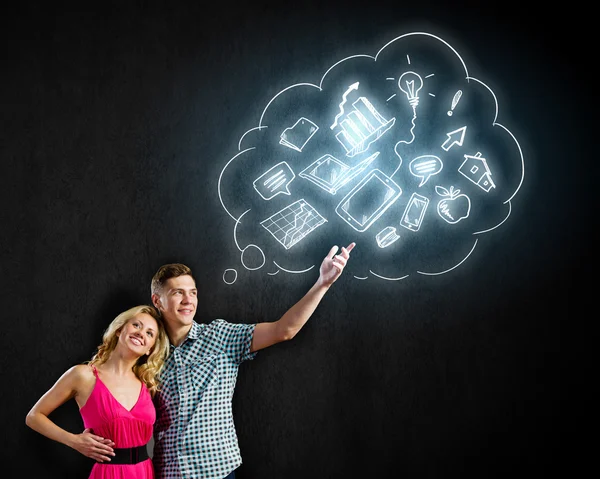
(234, 276)
(425, 166)
(350, 89)
(455, 99)
(250, 250)
(274, 181)
(386, 236)
(297, 136)
(386, 277)
(361, 131)
(361, 127)
(292, 223)
(476, 169)
(413, 215)
(455, 137)
(368, 200)
(293, 271)
(331, 174)
(454, 206)
(436, 273)
(411, 83)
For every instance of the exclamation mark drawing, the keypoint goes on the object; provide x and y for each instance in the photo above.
(457, 96)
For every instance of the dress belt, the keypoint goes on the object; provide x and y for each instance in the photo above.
(129, 455)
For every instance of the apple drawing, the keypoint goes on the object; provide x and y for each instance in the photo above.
(455, 206)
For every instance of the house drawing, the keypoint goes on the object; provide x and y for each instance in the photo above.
(476, 169)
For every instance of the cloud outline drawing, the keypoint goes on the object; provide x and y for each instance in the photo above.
(250, 144)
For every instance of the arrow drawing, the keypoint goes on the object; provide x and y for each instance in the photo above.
(453, 138)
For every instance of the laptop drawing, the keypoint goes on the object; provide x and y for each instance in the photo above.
(331, 174)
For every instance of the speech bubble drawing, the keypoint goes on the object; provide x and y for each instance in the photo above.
(425, 166)
(274, 181)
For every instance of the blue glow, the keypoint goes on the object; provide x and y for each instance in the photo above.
(399, 151)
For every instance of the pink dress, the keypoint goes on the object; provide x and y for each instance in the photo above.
(108, 418)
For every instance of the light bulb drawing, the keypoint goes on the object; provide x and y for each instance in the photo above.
(411, 83)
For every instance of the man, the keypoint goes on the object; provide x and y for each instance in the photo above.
(194, 433)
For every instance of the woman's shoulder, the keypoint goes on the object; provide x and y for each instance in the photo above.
(78, 378)
(81, 373)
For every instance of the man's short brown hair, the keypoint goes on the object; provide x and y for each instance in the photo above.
(166, 272)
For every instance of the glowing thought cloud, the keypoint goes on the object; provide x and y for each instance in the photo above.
(344, 142)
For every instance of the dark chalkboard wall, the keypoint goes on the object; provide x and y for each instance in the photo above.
(115, 126)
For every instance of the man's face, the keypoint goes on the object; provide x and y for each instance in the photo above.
(178, 300)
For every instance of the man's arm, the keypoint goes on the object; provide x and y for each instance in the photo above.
(284, 329)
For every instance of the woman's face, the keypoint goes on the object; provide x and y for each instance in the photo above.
(139, 334)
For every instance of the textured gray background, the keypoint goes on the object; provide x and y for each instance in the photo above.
(115, 124)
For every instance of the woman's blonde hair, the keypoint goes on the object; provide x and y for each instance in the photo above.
(148, 367)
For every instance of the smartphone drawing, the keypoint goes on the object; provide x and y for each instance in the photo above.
(414, 212)
(368, 200)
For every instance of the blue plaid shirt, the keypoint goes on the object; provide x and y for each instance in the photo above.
(194, 433)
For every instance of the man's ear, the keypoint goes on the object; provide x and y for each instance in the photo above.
(156, 301)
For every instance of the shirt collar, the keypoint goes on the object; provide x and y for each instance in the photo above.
(193, 333)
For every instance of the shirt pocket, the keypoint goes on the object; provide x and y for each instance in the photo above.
(204, 374)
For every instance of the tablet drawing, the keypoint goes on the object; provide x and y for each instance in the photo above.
(368, 200)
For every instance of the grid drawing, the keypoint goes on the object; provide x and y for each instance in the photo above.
(292, 223)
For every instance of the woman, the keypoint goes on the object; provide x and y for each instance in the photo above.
(114, 394)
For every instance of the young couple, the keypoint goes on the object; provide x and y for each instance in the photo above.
(158, 372)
